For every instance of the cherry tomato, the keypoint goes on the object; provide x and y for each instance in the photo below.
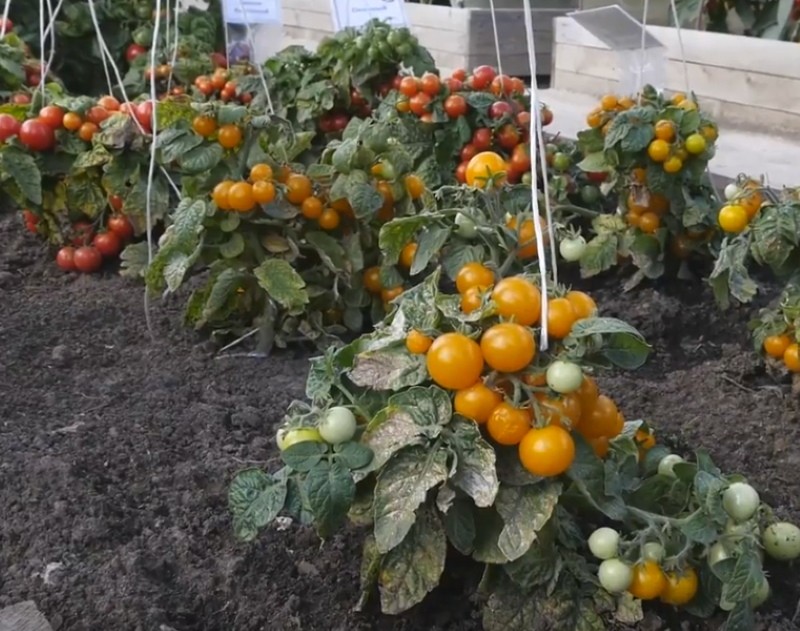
(337, 426)
(604, 543)
(508, 347)
(454, 361)
(52, 115)
(9, 126)
(681, 587)
(121, 226)
(648, 582)
(482, 77)
(108, 244)
(133, 51)
(485, 168)
(88, 259)
(65, 259)
(418, 343)
(477, 402)
(474, 275)
(455, 105)
(560, 317)
(519, 299)
(508, 425)
(547, 451)
(36, 135)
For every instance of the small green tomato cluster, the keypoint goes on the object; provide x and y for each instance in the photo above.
(337, 426)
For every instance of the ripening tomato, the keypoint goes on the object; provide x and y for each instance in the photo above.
(88, 259)
(72, 121)
(455, 105)
(52, 115)
(409, 86)
(471, 300)
(564, 410)
(97, 115)
(220, 194)
(108, 244)
(312, 207)
(260, 171)
(681, 587)
(477, 402)
(648, 582)
(791, 358)
(36, 135)
(474, 274)
(498, 109)
(588, 392)
(508, 137)
(547, 451)
(407, 255)
(528, 248)
(486, 168)
(121, 226)
(518, 299)
(419, 103)
(109, 103)
(143, 112)
(87, 131)
(9, 126)
(430, 84)
(508, 347)
(65, 258)
(454, 361)
(83, 232)
(521, 158)
(508, 425)
(133, 51)
(204, 125)
(414, 185)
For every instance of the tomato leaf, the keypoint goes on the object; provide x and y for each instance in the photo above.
(329, 249)
(488, 526)
(368, 574)
(364, 199)
(629, 610)
(23, 170)
(304, 456)
(255, 498)
(429, 244)
(622, 344)
(344, 157)
(353, 455)
(745, 579)
(430, 408)
(594, 163)
(330, 490)
(741, 618)
(388, 369)
(600, 254)
(282, 283)
(233, 247)
(776, 235)
(322, 375)
(456, 255)
(390, 430)
(413, 568)
(588, 474)
(201, 158)
(396, 234)
(459, 524)
(172, 143)
(730, 276)
(525, 510)
(475, 472)
(402, 487)
(537, 566)
(415, 304)
(222, 288)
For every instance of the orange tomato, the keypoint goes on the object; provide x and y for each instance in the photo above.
(87, 131)
(454, 361)
(240, 197)
(407, 255)
(415, 187)
(263, 192)
(260, 172)
(507, 425)
(229, 136)
(600, 446)
(560, 318)
(204, 126)
(547, 451)
(518, 299)
(220, 194)
(471, 299)
(418, 343)
(648, 582)
(330, 220)
(477, 402)
(298, 188)
(776, 345)
(372, 280)
(474, 274)
(72, 121)
(508, 347)
(486, 168)
(311, 208)
(387, 295)
(582, 303)
(791, 358)
(681, 587)
(601, 419)
(564, 411)
(588, 392)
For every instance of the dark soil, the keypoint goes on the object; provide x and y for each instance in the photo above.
(116, 452)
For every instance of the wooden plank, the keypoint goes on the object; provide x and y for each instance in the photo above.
(749, 54)
(23, 616)
(751, 89)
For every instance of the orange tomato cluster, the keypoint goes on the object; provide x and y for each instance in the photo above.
(743, 204)
(481, 373)
(244, 196)
(221, 84)
(668, 148)
(645, 209)
(676, 588)
(784, 347)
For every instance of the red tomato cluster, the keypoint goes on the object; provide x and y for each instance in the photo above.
(220, 84)
(88, 249)
(504, 127)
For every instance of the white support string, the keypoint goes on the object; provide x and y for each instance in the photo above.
(6, 9)
(642, 52)
(175, 41)
(251, 41)
(679, 33)
(51, 31)
(536, 120)
(153, 143)
(496, 43)
(40, 87)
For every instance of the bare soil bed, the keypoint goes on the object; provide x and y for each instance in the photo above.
(116, 452)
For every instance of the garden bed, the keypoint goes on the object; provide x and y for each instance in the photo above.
(117, 452)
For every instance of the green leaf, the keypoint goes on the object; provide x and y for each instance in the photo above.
(364, 199)
(329, 249)
(415, 304)
(457, 255)
(629, 609)
(622, 345)
(201, 159)
(413, 569)
(388, 369)
(322, 375)
(390, 431)
(22, 169)
(84, 193)
(741, 618)
(222, 289)
(459, 523)
(488, 526)
(745, 579)
(776, 235)
(370, 568)
(354, 455)
(255, 499)
(344, 156)
(430, 408)
(730, 276)
(174, 143)
(429, 244)
(233, 247)
(475, 472)
(600, 254)
(594, 163)
(589, 476)
(525, 510)
(537, 566)
(282, 283)
(304, 456)
(396, 234)
(700, 528)
(330, 490)
(402, 487)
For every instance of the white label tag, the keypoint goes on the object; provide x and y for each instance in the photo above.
(252, 11)
(356, 13)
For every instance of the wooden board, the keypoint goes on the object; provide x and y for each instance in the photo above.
(457, 38)
(745, 81)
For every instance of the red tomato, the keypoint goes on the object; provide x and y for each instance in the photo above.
(37, 135)
(88, 259)
(31, 220)
(144, 114)
(219, 60)
(468, 152)
(6, 25)
(597, 177)
(482, 77)
(133, 51)
(52, 115)
(121, 226)
(508, 137)
(108, 243)
(9, 126)
(65, 259)
(115, 201)
(499, 109)
(482, 139)
(33, 79)
(20, 98)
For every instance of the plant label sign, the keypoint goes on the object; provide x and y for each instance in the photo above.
(252, 11)
(356, 13)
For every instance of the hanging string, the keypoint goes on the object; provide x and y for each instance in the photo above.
(259, 69)
(497, 44)
(6, 9)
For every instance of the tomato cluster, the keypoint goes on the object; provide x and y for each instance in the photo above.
(501, 382)
(502, 126)
(244, 196)
(221, 84)
(744, 201)
(784, 347)
(89, 248)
